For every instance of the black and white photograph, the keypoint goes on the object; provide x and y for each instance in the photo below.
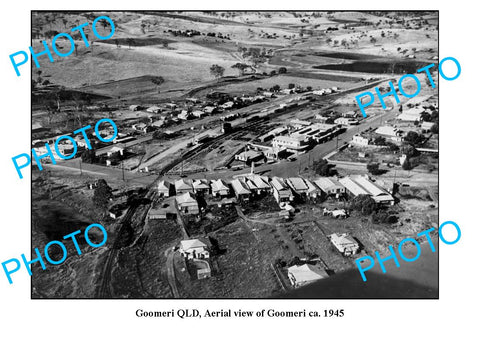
(250, 170)
(235, 154)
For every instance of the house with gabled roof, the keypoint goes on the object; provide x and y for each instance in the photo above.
(345, 243)
(281, 191)
(241, 190)
(219, 188)
(200, 186)
(187, 204)
(195, 249)
(183, 185)
(165, 189)
(305, 274)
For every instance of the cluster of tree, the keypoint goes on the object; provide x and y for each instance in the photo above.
(256, 54)
(414, 138)
(374, 169)
(88, 156)
(218, 35)
(323, 168)
(186, 33)
(102, 194)
(241, 67)
(217, 71)
(364, 204)
(383, 216)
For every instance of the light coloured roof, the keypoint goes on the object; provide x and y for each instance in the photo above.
(239, 187)
(186, 198)
(279, 184)
(153, 108)
(250, 184)
(189, 244)
(359, 185)
(415, 111)
(182, 184)
(387, 130)
(292, 138)
(353, 187)
(343, 240)
(218, 185)
(371, 187)
(307, 273)
(427, 125)
(311, 187)
(200, 184)
(326, 183)
(251, 154)
(297, 183)
(260, 181)
(164, 185)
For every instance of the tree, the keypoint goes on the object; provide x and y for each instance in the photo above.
(241, 68)
(374, 168)
(291, 86)
(157, 81)
(363, 203)
(275, 88)
(102, 194)
(217, 71)
(435, 128)
(165, 44)
(117, 43)
(410, 151)
(414, 138)
(323, 168)
(407, 165)
(130, 42)
(379, 140)
(273, 72)
(282, 70)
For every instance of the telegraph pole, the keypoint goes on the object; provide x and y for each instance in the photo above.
(123, 172)
(80, 165)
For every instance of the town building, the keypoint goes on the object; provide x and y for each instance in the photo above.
(305, 274)
(388, 131)
(195, 249)
(313, 192)
(165, 189)
(330, 186)
(183, 186)
(219, 188)
(359, 140)
(360, 185)
(296, 145)
(154, 109)
(345, 244)
(412, 115)
(201, 187)
(187, 204)
(163, 210)
(427, 126)
(346, 121)
(298, 185)
(299, 124)
(250, 156)
(241, 190)
(202, 268)
(281, 190)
